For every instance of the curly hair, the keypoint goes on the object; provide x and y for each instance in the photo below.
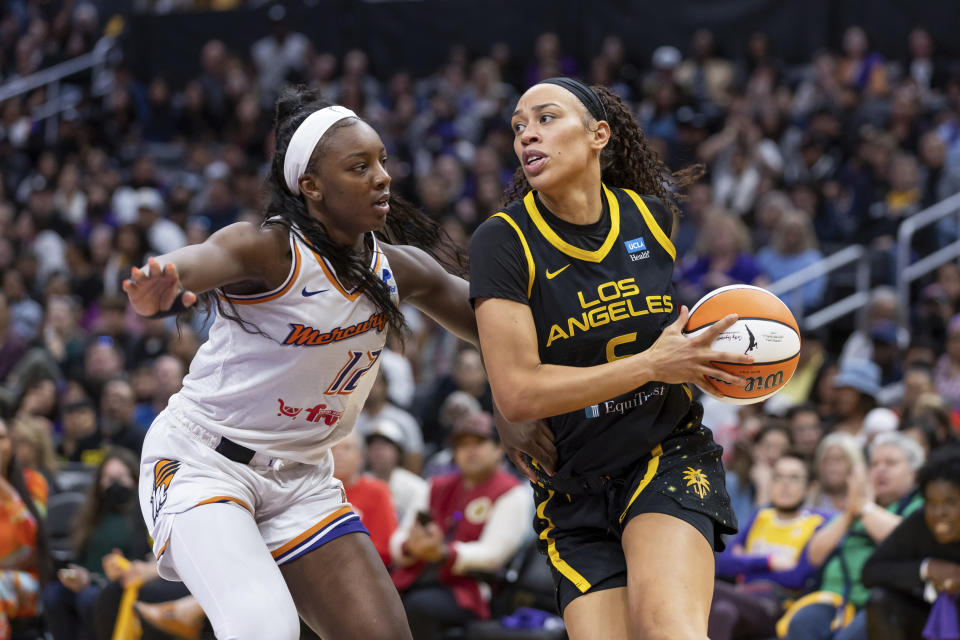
(942, 465)
(627, 161)
(405, 224)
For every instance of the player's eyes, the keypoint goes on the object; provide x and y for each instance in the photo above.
(519, 127)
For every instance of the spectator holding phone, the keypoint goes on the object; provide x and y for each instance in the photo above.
(474, 520)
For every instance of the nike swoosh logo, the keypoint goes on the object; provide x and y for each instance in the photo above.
(307, 294)
(551, 276)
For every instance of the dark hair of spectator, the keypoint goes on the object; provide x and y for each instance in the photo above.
(943, 464)
(92, 510)
(14, 475)
(627, 161)
(405, 224)
(793, 454)
(796, 410)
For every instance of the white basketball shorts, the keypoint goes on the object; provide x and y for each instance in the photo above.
(297, 507)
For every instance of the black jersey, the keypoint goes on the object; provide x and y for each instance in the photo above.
(597, 293)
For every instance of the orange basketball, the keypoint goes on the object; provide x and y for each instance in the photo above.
(765, 330)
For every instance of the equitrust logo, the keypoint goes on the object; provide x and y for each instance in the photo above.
(624, 403)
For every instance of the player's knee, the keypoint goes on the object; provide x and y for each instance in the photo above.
(654, 628)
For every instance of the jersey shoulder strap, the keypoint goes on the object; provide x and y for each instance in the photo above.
(652, 223)
(531, 268)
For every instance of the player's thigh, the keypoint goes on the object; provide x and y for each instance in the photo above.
(343, 591)
(670, 569)
(598, 615)
(217, 550)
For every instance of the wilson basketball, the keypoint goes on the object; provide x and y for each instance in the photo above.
(766, 330)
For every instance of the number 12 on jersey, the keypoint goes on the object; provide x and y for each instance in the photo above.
(349, 375)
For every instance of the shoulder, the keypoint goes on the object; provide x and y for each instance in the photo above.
(657, 208)
(499, 230)
(253, 241)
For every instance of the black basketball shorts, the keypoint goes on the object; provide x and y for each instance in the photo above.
(579, 527)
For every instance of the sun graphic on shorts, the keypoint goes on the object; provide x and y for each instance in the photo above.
(696, 479)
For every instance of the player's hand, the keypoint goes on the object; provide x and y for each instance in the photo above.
(531, 438)
(155, 288)
(675, 359)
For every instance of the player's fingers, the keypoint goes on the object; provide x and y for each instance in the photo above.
(681, 321)
(708, 387)
(518, 460)
(188, 298)
(729, 357)
(155, 269)
(167, 296)
(548, 457)
(170, 271)
(137, 275)
(725, 376)
(544, 453)
(708, 336)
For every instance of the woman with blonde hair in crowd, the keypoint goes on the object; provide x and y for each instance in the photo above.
(837, 456)
(724, 258)
(794, 246)
(34, 447)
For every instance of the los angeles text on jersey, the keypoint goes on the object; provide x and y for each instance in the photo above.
(303, 336)
(613, 301)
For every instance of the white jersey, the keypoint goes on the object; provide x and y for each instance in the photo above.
(296, 391)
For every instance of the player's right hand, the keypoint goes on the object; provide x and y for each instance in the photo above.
(676, 359)
(155, 288)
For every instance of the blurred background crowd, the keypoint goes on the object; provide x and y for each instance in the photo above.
(801, 161)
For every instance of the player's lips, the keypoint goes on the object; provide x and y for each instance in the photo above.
(382, 204)
(534, 161)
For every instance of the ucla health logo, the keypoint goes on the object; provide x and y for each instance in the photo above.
(637, 249)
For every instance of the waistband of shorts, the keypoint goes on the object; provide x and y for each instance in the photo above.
(210, 439)
(599, 484)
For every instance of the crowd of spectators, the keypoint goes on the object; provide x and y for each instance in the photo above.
(800, 161)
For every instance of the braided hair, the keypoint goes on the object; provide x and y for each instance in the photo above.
(405, 223)
(627, 161)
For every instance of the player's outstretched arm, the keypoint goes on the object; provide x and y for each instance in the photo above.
(423, 283)
(525, 389)
(239, 252)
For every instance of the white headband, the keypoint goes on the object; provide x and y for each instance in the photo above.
(305, 138)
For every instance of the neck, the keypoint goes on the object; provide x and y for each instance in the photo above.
(471, 481)
(787, 514)
(578, 201)
(353, 239)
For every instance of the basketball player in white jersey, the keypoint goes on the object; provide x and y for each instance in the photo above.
(237, 484)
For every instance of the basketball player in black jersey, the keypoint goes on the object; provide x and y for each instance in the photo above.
(572, 285)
